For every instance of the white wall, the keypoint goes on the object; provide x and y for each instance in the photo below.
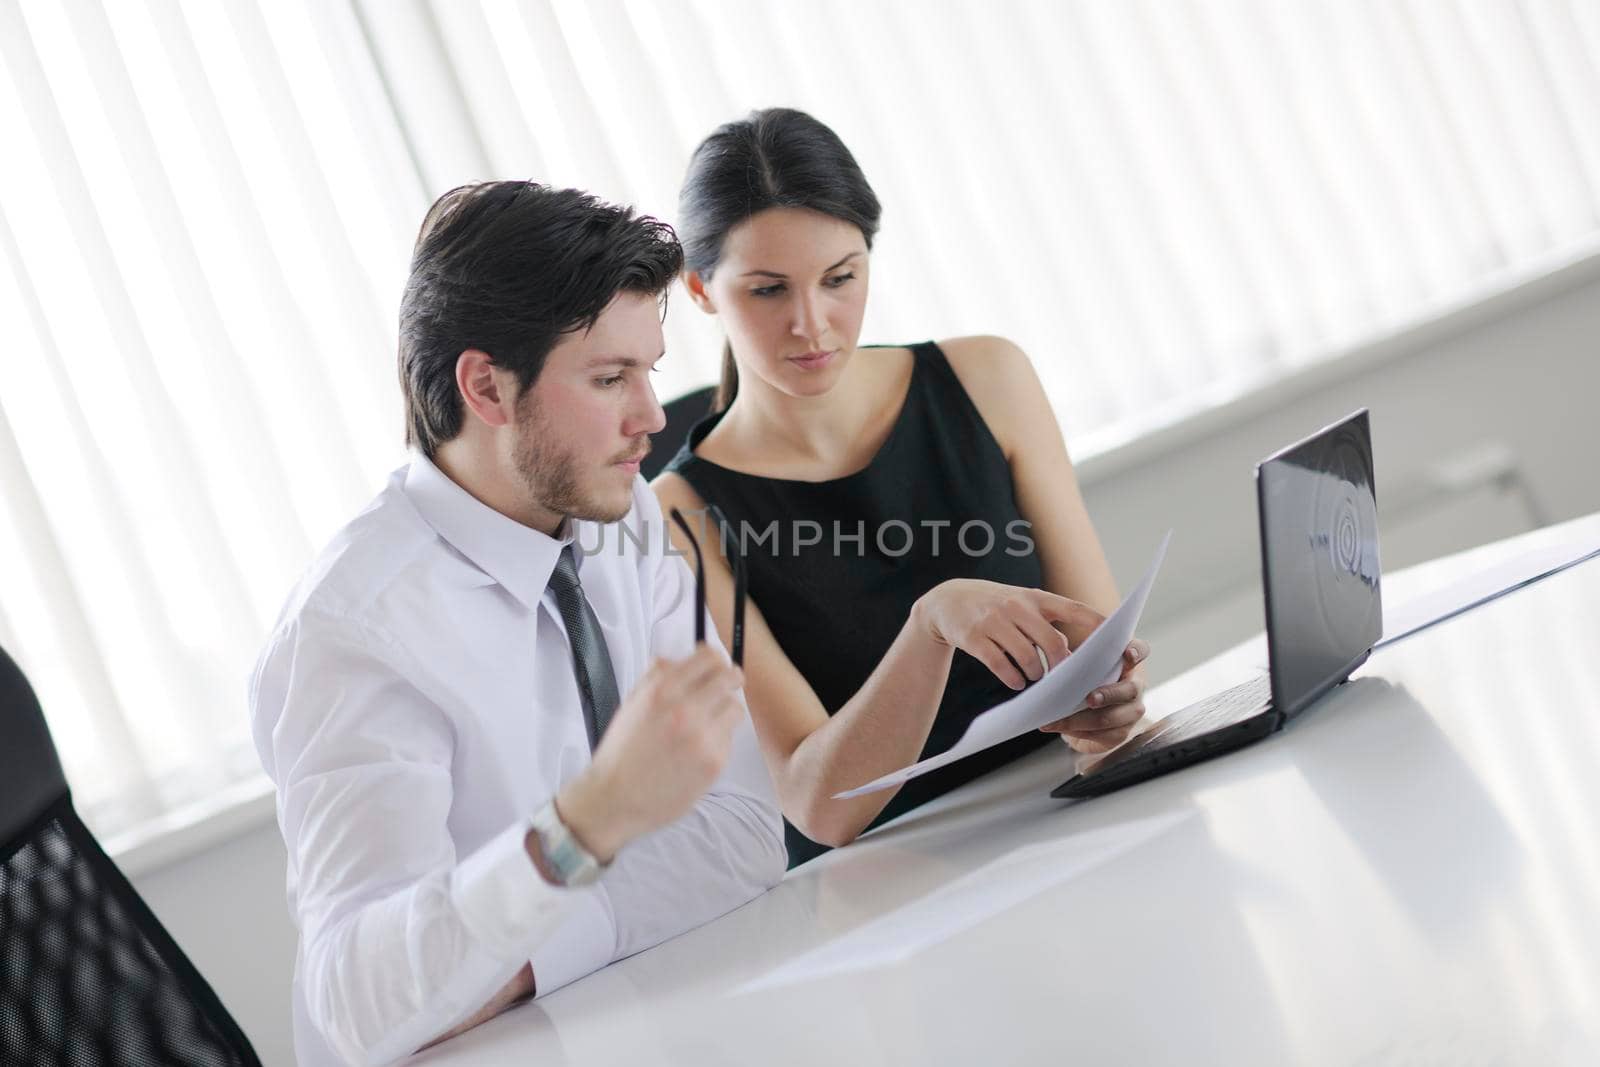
(1520, 374)
(1514, 382)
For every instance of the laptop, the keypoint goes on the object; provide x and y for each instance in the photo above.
(1318, 513)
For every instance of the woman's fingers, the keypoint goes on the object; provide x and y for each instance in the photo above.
(1001, 663)
(1124, 692)
(1018, 639)
(1028, 640)
(1119, 716)
(1094, 720)
(1038, 632)
(1077, 617)
(1004, 631)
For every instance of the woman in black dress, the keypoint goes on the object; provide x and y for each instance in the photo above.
(916, 544)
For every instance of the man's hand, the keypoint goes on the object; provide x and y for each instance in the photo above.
(514, 992)
(1112, 711)
(664, 748)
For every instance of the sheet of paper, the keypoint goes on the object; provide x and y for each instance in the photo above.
(973, 898)
(1061, 691)
(1403, 620)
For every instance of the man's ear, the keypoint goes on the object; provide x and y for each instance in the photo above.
(697, 291)
(485, 388)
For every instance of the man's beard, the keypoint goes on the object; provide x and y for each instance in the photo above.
(553, 476)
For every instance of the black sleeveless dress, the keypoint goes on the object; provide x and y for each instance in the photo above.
(836, 566)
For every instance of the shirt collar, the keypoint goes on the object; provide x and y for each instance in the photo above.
(518, 557)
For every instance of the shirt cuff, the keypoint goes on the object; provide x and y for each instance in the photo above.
(503, 901)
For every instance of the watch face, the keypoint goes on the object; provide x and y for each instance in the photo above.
(567, 860)
(586, 873)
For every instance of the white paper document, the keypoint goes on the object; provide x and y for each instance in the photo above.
(1096, 662)
(972, 899)
(1404, 619)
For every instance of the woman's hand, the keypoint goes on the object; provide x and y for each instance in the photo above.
(1004, 626)
(1112, 711)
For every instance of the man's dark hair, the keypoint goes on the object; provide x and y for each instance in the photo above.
(508, 268)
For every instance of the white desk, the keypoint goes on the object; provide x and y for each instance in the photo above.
(1409, 874)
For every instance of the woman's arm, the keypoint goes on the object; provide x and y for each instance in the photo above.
(812, 755)
(1001, 381)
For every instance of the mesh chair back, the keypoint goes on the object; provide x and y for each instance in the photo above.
(30, 774)
(88, 976)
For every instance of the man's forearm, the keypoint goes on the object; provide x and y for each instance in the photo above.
(732, 828)
(733, 842)
(399, 971)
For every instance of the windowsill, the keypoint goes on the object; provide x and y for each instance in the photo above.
(191, 829)
(229, 814)
(1174, 426)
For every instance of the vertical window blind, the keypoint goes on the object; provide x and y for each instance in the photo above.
(206, 208)
(205, 223)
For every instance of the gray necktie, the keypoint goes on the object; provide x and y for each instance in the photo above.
(591, 662)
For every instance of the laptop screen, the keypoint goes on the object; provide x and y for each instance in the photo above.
(1319, 560)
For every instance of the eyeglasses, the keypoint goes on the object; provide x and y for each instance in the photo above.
(736, 561)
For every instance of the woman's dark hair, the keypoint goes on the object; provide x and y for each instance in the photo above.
(779, 157)
(508, 268)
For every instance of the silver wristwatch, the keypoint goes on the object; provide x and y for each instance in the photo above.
(565, 858)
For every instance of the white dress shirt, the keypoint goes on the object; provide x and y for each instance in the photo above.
(415, 704)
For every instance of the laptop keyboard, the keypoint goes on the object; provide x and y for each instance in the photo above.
(1203, 716)
(1229, 706)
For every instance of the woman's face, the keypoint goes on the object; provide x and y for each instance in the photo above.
(790, 289)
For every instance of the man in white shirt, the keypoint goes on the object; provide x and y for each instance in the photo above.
(501, 760)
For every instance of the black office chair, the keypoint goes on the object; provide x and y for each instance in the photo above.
(682, 414)
(88, 976)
